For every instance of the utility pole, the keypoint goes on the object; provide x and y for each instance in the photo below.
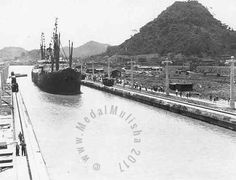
(93, 67)
(1, 88)
(108, 70)
(132, 73)
(232, 100)
(81, 66)
(167, 62)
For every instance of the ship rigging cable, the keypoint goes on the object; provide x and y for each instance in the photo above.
(63, 52)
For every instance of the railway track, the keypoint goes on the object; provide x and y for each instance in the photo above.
(215, 110)
(212, 109)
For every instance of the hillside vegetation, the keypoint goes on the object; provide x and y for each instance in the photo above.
(186, 28)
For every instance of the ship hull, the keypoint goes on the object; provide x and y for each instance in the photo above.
(63, 82)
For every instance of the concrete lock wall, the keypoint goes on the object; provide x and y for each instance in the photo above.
(193, 112)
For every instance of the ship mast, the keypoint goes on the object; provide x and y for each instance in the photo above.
(70, 54)
(56, 45)
(42, 46)
(51, 57)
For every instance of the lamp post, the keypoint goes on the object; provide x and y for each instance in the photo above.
(231, 61)
(167, 62)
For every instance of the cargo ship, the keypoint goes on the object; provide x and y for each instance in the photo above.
(61, 79)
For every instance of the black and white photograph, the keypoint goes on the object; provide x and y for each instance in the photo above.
(117, 90)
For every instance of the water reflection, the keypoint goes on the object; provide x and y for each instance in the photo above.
(67, 101)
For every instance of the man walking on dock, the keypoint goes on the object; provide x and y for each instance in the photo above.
(20, 136)
(17, 149)
(23, 148)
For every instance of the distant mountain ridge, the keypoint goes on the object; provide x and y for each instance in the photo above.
(88, 49)
(186, 28)
(11, 52)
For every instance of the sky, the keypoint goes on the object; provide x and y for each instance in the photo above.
(105, 21)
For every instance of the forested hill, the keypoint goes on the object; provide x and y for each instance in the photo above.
(184, 27)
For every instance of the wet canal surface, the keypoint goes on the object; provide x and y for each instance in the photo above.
(86, 137)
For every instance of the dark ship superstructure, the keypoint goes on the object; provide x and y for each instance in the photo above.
(52, 74)
(108, 81)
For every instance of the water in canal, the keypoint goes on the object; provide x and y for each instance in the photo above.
(86, 137)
